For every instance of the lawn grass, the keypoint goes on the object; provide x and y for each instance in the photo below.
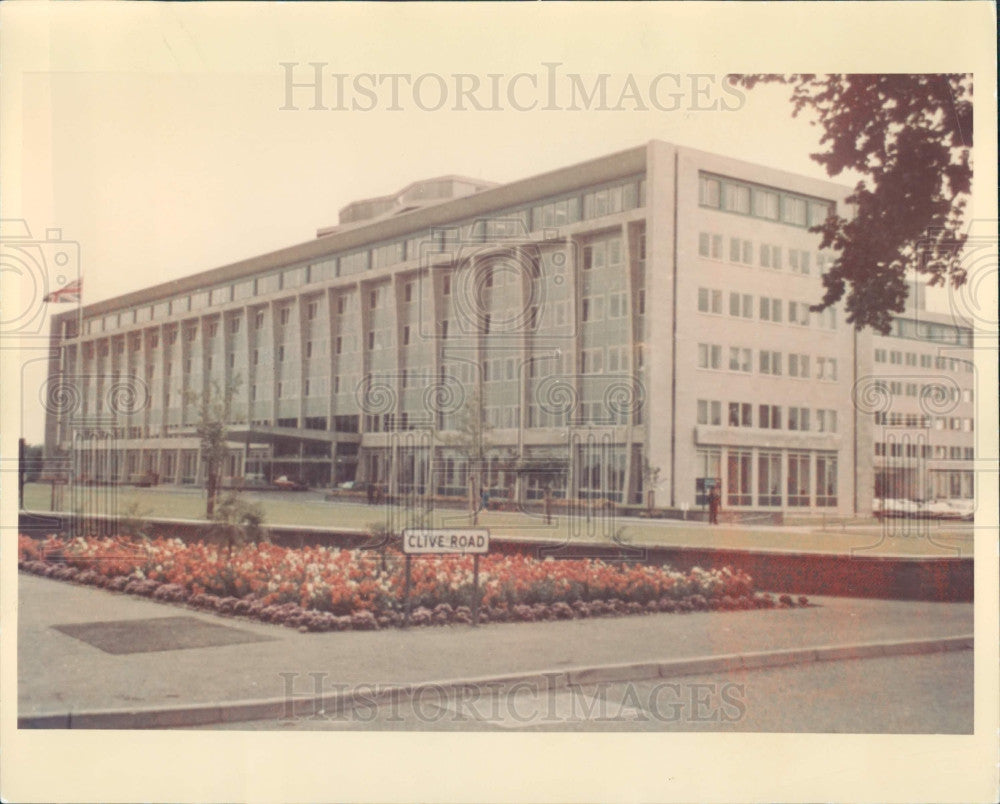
(857, 535)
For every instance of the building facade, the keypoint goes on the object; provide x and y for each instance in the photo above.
(922, 403)
(633, 328)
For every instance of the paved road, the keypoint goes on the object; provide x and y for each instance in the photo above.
(897, 695)
(59, 673)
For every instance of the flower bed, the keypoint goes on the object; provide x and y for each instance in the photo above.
(323, 588)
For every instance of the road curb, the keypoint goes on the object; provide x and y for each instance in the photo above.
(300, 704)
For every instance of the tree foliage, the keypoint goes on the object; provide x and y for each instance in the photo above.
(910, 136)
(472, 439)
(236, 521)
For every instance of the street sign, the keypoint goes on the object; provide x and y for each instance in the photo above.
(419, 541)
(424, 541)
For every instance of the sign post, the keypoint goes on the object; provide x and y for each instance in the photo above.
(406, 595)
(445, 541)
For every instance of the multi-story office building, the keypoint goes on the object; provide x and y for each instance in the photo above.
(922, 401)
(632, 324)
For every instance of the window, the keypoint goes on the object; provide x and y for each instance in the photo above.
(880, 355)
(818, 212)
(285, 315)
(769, 417)
(709, 355)
(709, 192)
(770, 256)
(738, 477)
(826, 479)
(798, 419)
(740, 359)
(311, 309)
(740, 251)
(798, 478)
(826, 368)
(798, 366)
(740, 414)
(709, 300)
(769, 362)
(406, 335)
(769, 478)
(765, 204)
(281, 354)
(309, 349)
(709, 412)
(737, 198)
(826, 420)
(710, 245)
(446, 285)
(408, 292)
(793, 211)
(770, 309)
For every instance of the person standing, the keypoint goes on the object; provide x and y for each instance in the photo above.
(714, 502)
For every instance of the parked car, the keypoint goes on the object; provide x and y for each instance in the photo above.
(946, 509)
(284, 484)
(898, 508)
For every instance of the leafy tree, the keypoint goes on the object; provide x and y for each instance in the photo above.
(215, 407)
(471, 439)
(910, 137)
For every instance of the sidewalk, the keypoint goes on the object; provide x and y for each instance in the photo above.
(59, 674)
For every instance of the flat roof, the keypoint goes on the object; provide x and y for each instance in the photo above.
(360, 233)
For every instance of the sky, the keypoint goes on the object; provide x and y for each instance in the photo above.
(159, 144)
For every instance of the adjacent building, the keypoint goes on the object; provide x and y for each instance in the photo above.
(634, 325)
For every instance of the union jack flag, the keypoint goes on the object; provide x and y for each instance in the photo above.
(68, 293)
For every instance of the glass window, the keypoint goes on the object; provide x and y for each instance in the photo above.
(826, 479)
(798, 478)
(709, 192)
(794, 210)
(737, 198)
(738, 477)
(818, 212)
(765, 204)
(769, 478)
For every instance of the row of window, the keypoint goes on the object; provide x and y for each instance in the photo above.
(758, 201)
(768, 362)
(931, 331)
(741, 251)
(896, 419)
(742, 485)
(769, 417)
(897, 449)
(936, 392)
(616, 197)
(899, 358)
(767, 308)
